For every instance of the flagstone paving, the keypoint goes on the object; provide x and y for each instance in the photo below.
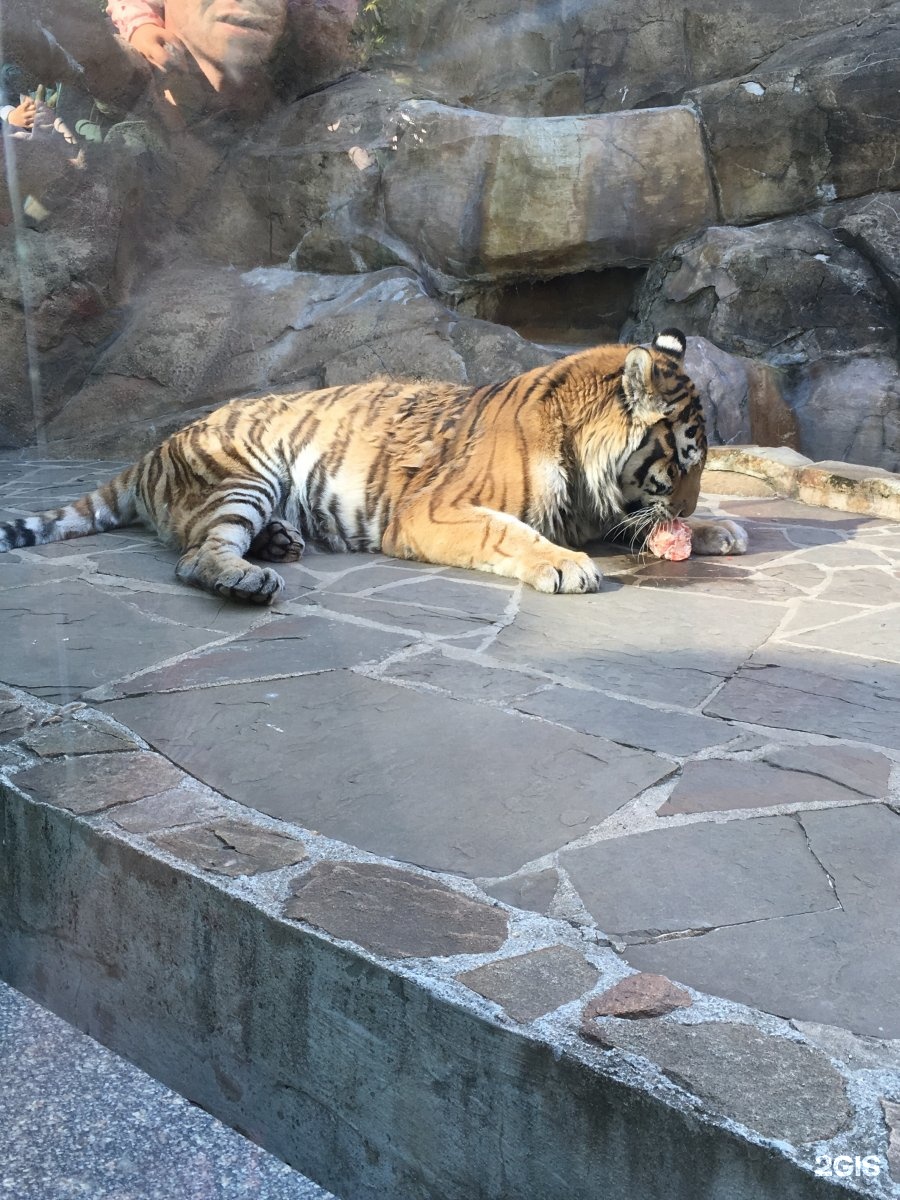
(698, 767)
(662, 758)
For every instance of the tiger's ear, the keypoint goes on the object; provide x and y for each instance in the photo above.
(637, 382)
(671, 342)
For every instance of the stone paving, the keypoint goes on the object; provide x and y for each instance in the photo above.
(697, 767)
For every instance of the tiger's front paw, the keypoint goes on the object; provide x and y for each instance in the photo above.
(718, 537)
(569, 573)
(255, 585)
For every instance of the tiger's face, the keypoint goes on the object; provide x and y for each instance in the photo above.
(661, 479)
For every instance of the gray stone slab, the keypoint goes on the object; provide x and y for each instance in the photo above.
(860, 849)
(817, 692)
(627, 723)
(533, 891)
(530, 985)
(830, 967)
(800, 575)
(185, 805)
(422, 778)
(858, 1053)
(671, 646)
(876, 587)
(698, 877)
(395, 913)
(374, 573)
(876, 634)
(780, 1088)
(409, 617)
(150, 562)
(473, 598)
(283, 646)
(17, 571)
(93, 782)
(78, 1121)
(466, 679)
(76, 735)
(817, 612)
(233, 848)
(793, 513)
(863, 771)
(711, 577)
(15, 717)
(892, 1120)
(186, 606)
(883, 678)
(96, 544)
(786, 777)
(323, 562)
(836, 968)
(842, 555)
(61, 642)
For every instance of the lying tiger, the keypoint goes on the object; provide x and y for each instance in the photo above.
(503, 478)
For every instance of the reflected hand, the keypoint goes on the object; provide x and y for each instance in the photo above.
(161, 48)
(22, 116)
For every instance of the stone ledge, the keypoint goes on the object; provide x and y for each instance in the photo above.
(778, 471)
(341, 1057)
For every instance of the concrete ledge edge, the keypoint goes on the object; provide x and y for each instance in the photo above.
(844, 486)
(376, 1077)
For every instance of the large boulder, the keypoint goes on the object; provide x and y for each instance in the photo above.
(787, 292)
(790, 294)
(743, 399)
(486, 198)
(559, 57)
(815, 121)
(871, 226)
(197, 335)
(360, 177)
(849, 411)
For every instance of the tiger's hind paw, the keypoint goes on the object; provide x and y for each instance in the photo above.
(718, 537)
(277, 542)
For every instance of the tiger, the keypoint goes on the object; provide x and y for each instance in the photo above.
(507, 477)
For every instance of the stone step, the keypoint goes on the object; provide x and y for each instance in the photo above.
(78, 1121)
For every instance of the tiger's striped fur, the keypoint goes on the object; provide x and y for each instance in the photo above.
(503, 478)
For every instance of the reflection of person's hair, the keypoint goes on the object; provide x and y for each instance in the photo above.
(15, 81)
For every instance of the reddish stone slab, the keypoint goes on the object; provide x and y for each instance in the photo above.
(636, 996)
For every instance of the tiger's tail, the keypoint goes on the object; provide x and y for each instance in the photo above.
(110, 506)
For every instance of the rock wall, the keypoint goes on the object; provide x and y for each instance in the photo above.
(732, 171)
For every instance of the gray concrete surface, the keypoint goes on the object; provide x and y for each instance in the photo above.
(78, 1121)
(461, 784)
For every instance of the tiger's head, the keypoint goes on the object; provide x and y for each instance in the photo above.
(661, 479)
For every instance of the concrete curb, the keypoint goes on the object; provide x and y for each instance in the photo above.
(378, 1076)
(777, 470)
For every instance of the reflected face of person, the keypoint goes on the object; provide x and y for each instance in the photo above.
(235, 37)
